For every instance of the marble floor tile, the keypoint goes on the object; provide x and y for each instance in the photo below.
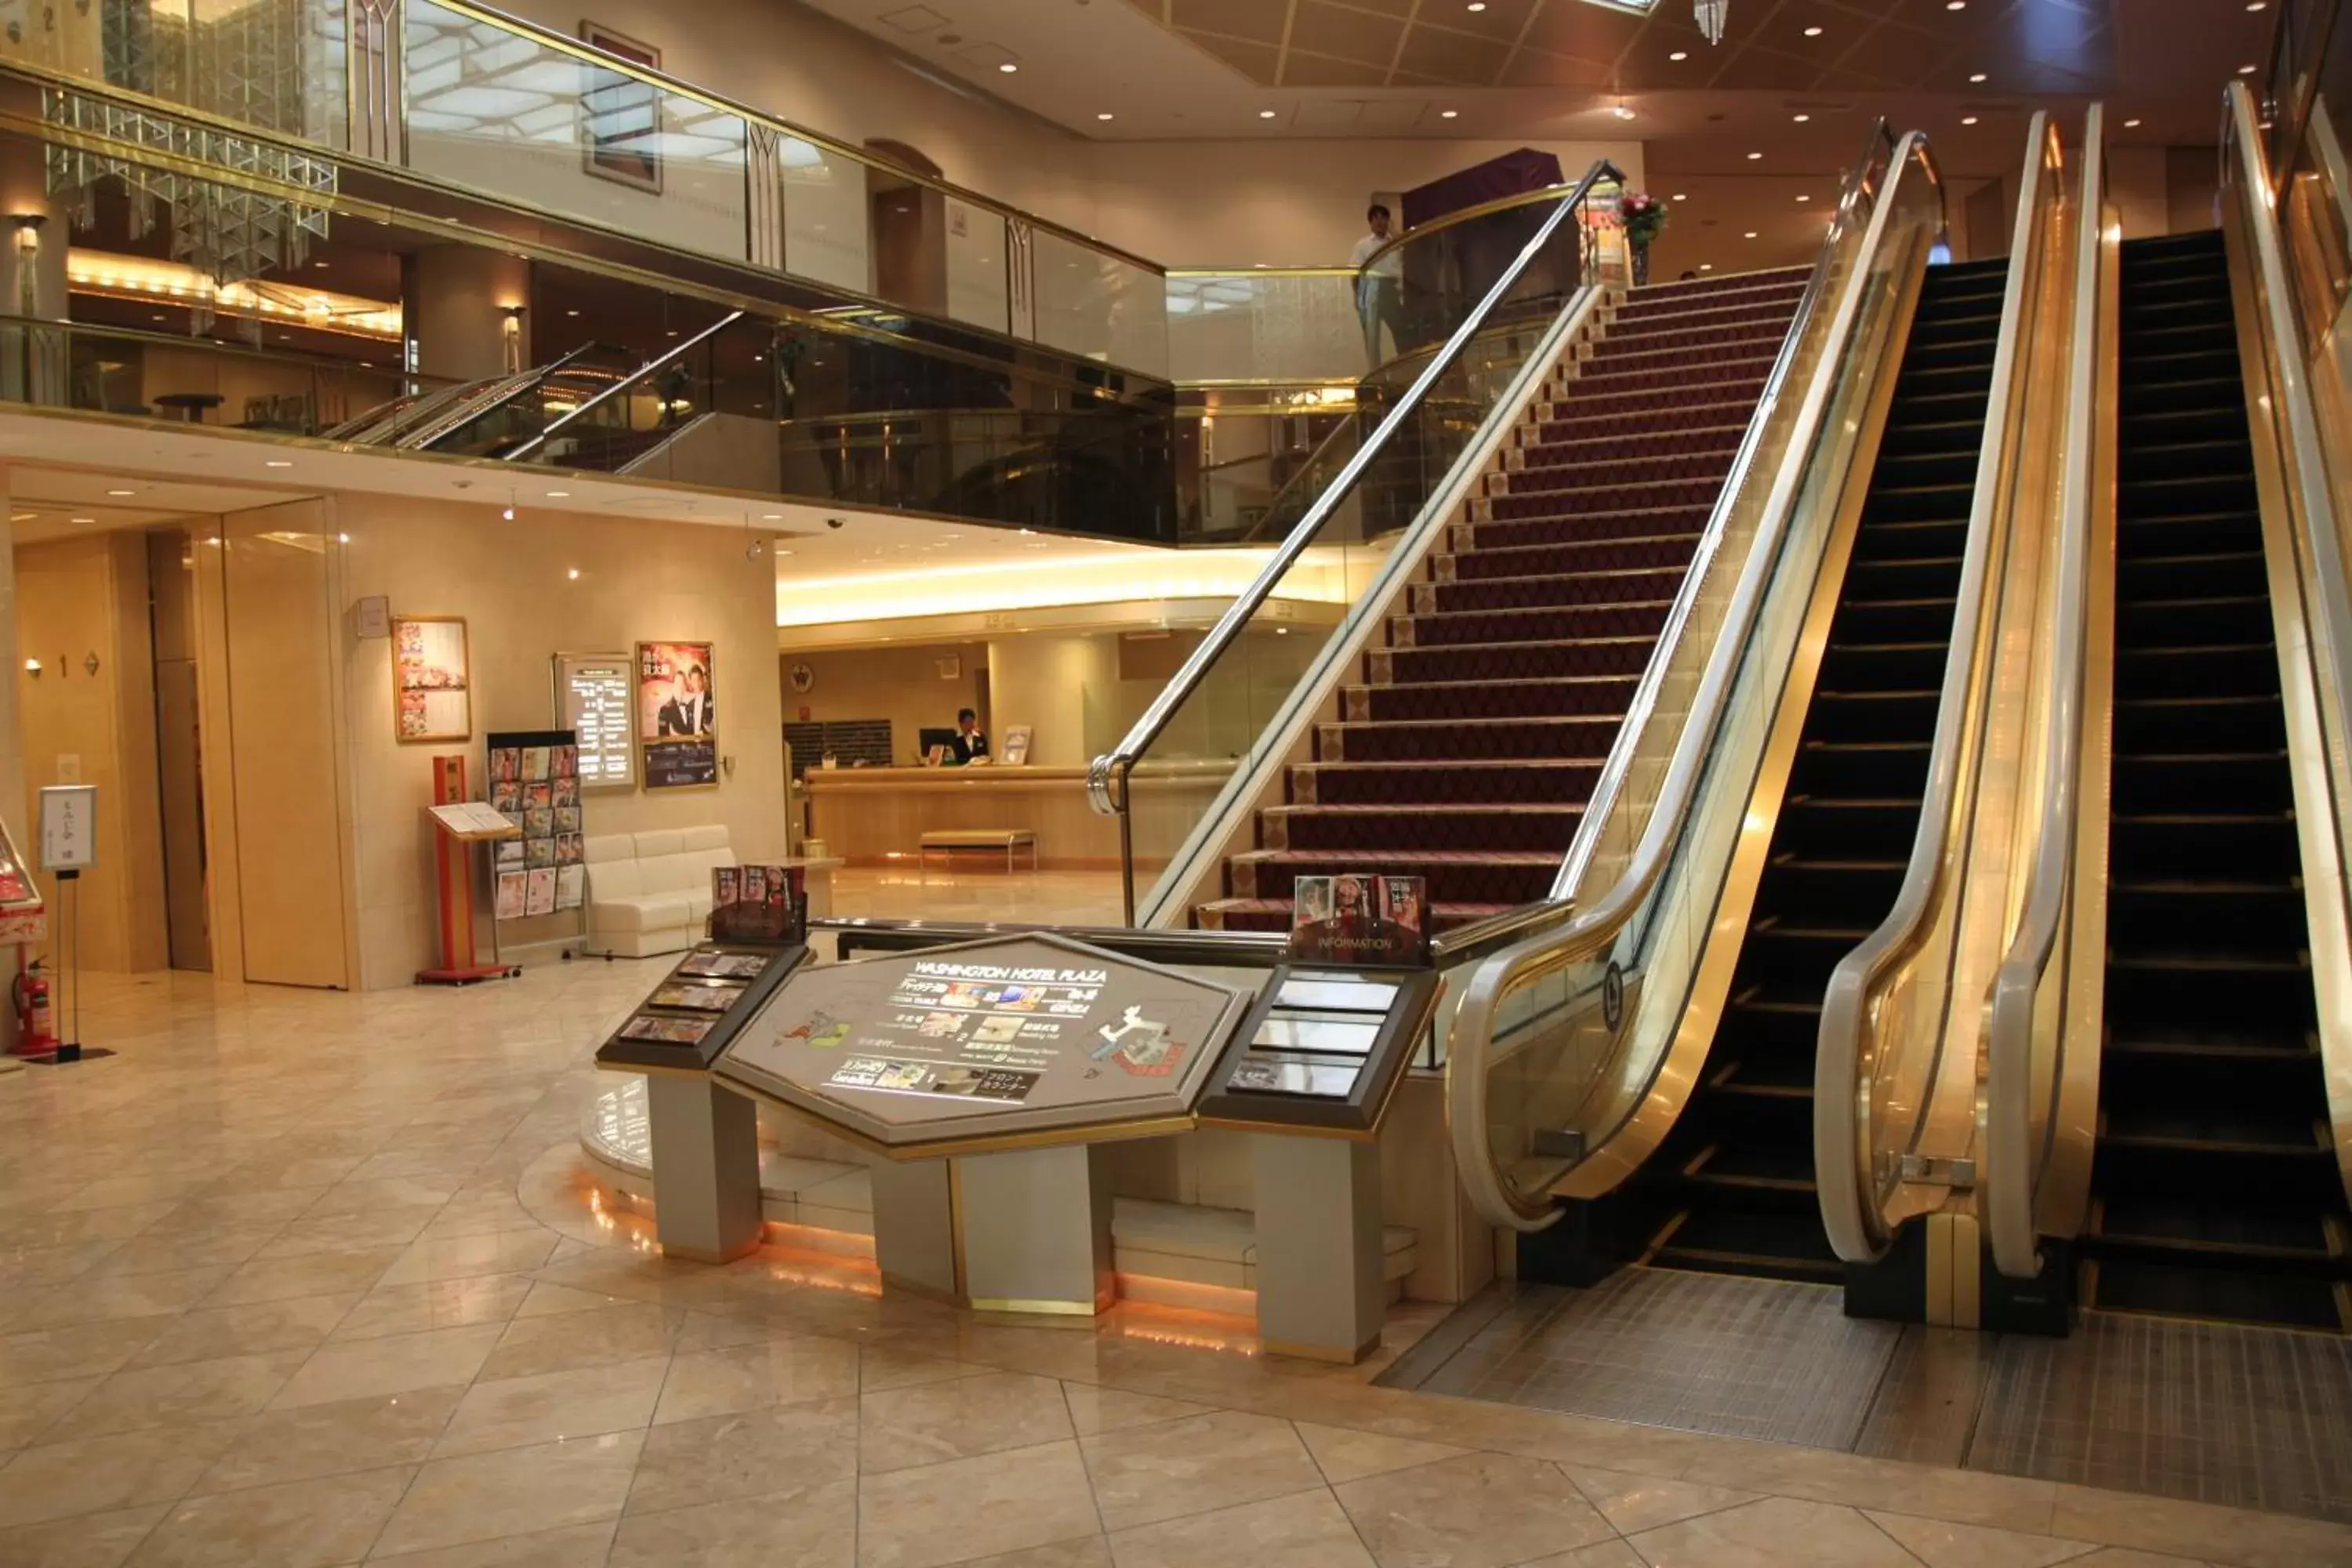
(1344, 1454)
(1941, 1545)
(1095, 1409)
(547, 1300)
(958, 1418)
(356, 1368)
(94, 1541)
(299, 1524)
(1144, 1474)
(574, 1546)
(57, 1480)
(312, 1274)
(310, 1440)
(1633, 1503)
(1308, 1530)
(513, 1491)
(879, 1367)
(1079, 1552)
(811, 1526)
(442, 1304)
(182, 1394)
(570, 1341)
(516, 1412)
(720, 1458)
(31, 1409)
(752, 1376)
(1778, 1532)
(965, 1509)
(124, 1296)
(76, 1350)
(1482, 1510)
(210, 1333)
(463, 1257)
(2235, 1536)
(349, 1232)
(353, 1198)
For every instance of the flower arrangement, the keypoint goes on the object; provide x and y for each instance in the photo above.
(1644, 218)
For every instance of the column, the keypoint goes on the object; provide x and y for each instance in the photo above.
(705, 1168)
(915, 1242)
(1319, 1292)
(1036, 1231)
(12, 737)
(458, 303)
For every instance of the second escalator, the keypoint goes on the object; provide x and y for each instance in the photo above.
(1732, 1190)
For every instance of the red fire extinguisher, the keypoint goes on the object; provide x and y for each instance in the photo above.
(34, 1028)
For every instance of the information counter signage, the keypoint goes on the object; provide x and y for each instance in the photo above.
(1033, 1034)
(593, 693)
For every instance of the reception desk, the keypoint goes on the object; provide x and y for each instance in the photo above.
(869, 816)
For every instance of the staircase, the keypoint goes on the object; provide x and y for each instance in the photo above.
(2215, 1187)
(1468, 750)
(1732, 1189)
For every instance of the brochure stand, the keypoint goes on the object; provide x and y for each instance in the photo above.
(460, 825)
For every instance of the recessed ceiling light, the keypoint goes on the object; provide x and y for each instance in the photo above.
(772, 517)
(1106, 115)
(1804, 198)
(1266, 114)
(1978, 77)
(2246, 70)
(1813, 32)
(1008, 68)
(276, 463)
(1449, 114)
(2258, 5)
(84, 520)
(121, 492)
(2131, 124)
(1800, 118)
(1680, 196)
(1706, 267)
(572, 573)
(1621, 112)
(559, 495)
(1753, 156)
(1679, 54)
(1751, 233)
(1967, 119)
(1956, 5)
(1477, 4)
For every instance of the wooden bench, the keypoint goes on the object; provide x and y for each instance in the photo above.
(947, 841)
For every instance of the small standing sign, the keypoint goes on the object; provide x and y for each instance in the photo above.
(68, 828)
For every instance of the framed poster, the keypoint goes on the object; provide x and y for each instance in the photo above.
(432, 702)
(592, 701)
(678, 722)
(620, 115)
(1016, 746)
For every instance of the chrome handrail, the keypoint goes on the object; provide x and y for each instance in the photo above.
(1107, 776)
(1844, 1149)
(1597, 924)
(519, 453)
(2011, 1166)
(495, 392)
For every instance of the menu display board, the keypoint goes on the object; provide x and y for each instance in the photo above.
(1014, 1034)
(678, 722)
(431, 693)
(593, 692)
(535, 784)
(699, 1006)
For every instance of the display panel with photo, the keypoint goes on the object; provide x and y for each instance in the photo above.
(1356, 918)
(677, 714)
(758, 903)
(620, 114)
(530, 771)
(432, 701)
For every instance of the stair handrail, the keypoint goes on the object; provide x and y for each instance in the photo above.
(1596, 925)
(1107, 776)
(650, 367)
(1851, 1058)
(486, 398)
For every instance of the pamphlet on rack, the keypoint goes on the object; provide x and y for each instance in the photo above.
(1360, 918)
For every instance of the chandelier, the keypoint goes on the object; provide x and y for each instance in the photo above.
(1709, 15)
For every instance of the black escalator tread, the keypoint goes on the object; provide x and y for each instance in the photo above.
(1734, 1185)
(2214, 1176)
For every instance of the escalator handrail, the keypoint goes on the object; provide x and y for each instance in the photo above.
(1107, 776)
(519, 453)
(2011, 1166)
(492, 394)
(1844, 1145)
(1596, 925)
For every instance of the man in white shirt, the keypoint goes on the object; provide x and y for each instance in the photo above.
(1379, 288)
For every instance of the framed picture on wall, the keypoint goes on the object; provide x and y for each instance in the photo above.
(620, 114)
(431, 698)
(677, 714)
(1016, 745)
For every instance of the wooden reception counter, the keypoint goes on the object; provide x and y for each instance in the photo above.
(868, 816)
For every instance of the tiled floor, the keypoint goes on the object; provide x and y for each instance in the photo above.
(307, 1280)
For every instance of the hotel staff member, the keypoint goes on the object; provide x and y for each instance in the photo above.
(969, 742)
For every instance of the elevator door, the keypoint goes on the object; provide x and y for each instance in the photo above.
(179, 749)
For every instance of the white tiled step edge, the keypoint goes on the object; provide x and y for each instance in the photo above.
(1177, 1242)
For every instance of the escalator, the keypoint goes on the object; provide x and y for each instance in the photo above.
(1732, 1188)
(492, 417)
(1467, 750)
(2215, 1189)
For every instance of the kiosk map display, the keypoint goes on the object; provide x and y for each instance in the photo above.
(1014, 1034)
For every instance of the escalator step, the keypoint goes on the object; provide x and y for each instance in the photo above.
(2180, 1291)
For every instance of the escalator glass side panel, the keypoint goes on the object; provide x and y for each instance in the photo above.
(1732, 1188)
(2215, 1191)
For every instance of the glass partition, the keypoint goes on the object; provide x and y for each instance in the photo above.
(1287, 326)
(1424, 284)
(1562, 1037)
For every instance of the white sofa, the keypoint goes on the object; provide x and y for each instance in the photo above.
(650, 892)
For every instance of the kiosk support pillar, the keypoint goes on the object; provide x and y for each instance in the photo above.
(1319, 1292)
(915, 1228)
(706, 1150)
(1036, 1230)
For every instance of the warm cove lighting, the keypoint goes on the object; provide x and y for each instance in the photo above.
(141, 278)
(1051, 585)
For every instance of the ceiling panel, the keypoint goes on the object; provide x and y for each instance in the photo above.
(1534, 67)
(1302, 69)
(1588, 32)
(1502, 19)
(1892, 54)
(1256, 62)
(1453, 57)
(1232, 18)
(1341, 34)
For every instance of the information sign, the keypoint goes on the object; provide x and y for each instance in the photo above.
(1016, 1033)
(593, 692)
(68, 828)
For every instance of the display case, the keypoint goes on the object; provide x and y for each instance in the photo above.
(24, 916)
(700, 1007)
